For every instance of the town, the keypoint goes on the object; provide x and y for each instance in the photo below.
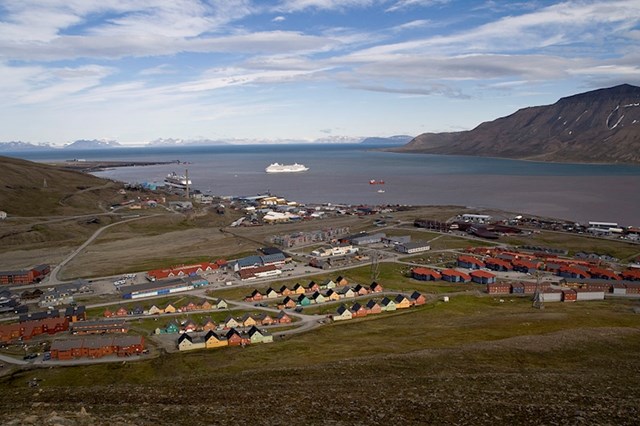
(269, 296)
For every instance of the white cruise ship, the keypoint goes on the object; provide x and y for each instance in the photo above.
(177, 181)
(286, 168)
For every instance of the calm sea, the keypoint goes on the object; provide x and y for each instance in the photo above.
(340, 173)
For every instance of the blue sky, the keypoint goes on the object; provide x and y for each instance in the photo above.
(139, 70)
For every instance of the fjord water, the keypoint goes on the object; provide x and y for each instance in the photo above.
(340, 173)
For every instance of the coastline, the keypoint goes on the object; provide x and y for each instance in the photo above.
(98, 166)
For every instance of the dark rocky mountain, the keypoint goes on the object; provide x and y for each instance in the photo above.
(601, 126)
(92, 144)
(392, 140)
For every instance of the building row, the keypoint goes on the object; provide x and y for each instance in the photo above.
(297, 288)
(213, 340)
(453, 275)
(331, 295)
(185, 270)
(358, 310)
(97, 347)
(170, 308)
(24, 276)
(247, 320)
(303, 238)
(163, 287)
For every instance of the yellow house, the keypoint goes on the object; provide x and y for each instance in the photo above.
(402, 302)
(170, 309)
(212, 341)
(332, 295)
(154, 310)
(248, 320)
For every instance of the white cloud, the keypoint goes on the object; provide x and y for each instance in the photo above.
(279, 18)
(406, 4)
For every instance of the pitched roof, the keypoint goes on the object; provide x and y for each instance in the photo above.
(482, 274)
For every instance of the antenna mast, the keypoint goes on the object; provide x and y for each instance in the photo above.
(186, 176)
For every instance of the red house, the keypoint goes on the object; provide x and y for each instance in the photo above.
(470, 262)
(375, 288)
(425, 274)
(498, 288)
(454, 276)
(569, 295)
(417, 299)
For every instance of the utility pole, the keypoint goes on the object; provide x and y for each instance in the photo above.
(186, 176)
(375, 273)
(538, 297)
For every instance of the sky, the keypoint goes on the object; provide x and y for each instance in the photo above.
(139, 70)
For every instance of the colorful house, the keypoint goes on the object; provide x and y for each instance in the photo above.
(388, 305)
(346, 292)
(375, 288)
(402, 302)
(271, 293)
(299, 289)
(170, 309)
(231, 322)
(285, 291)
(248, 320)
(303, 300)
(357, 311)
(313, 286)
(221, 304)
(259, 336)
(417, 299)
(342, 314)
(208, 324)
(189, 326)
(317, 297)
(288, 302)
(373, 307)
(283, 318)
(154, 310)
(341, 281)
(332, 295)
(213, 340)
(360, 290)
(327, 284)
(205, 305)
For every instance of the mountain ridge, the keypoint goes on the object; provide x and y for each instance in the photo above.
(600, 126)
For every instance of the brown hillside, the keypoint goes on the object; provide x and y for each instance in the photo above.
(599, 126)
(34, 189)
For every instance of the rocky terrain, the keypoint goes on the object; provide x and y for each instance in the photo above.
(601, 126)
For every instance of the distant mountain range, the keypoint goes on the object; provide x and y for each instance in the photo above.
(601, 126)
(84, 144)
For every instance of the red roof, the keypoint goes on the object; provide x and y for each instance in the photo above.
(482, 274)
(181, 270)
(494, 261)
(525, 263)
(574, 270)
(454, 273)
(426, 271)
(631, 274)
(601, 272)
(470, 259)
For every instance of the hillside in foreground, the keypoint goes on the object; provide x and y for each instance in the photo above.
(35, 189)
(601, 126)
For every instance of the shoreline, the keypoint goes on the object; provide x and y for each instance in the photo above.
(98, 166)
